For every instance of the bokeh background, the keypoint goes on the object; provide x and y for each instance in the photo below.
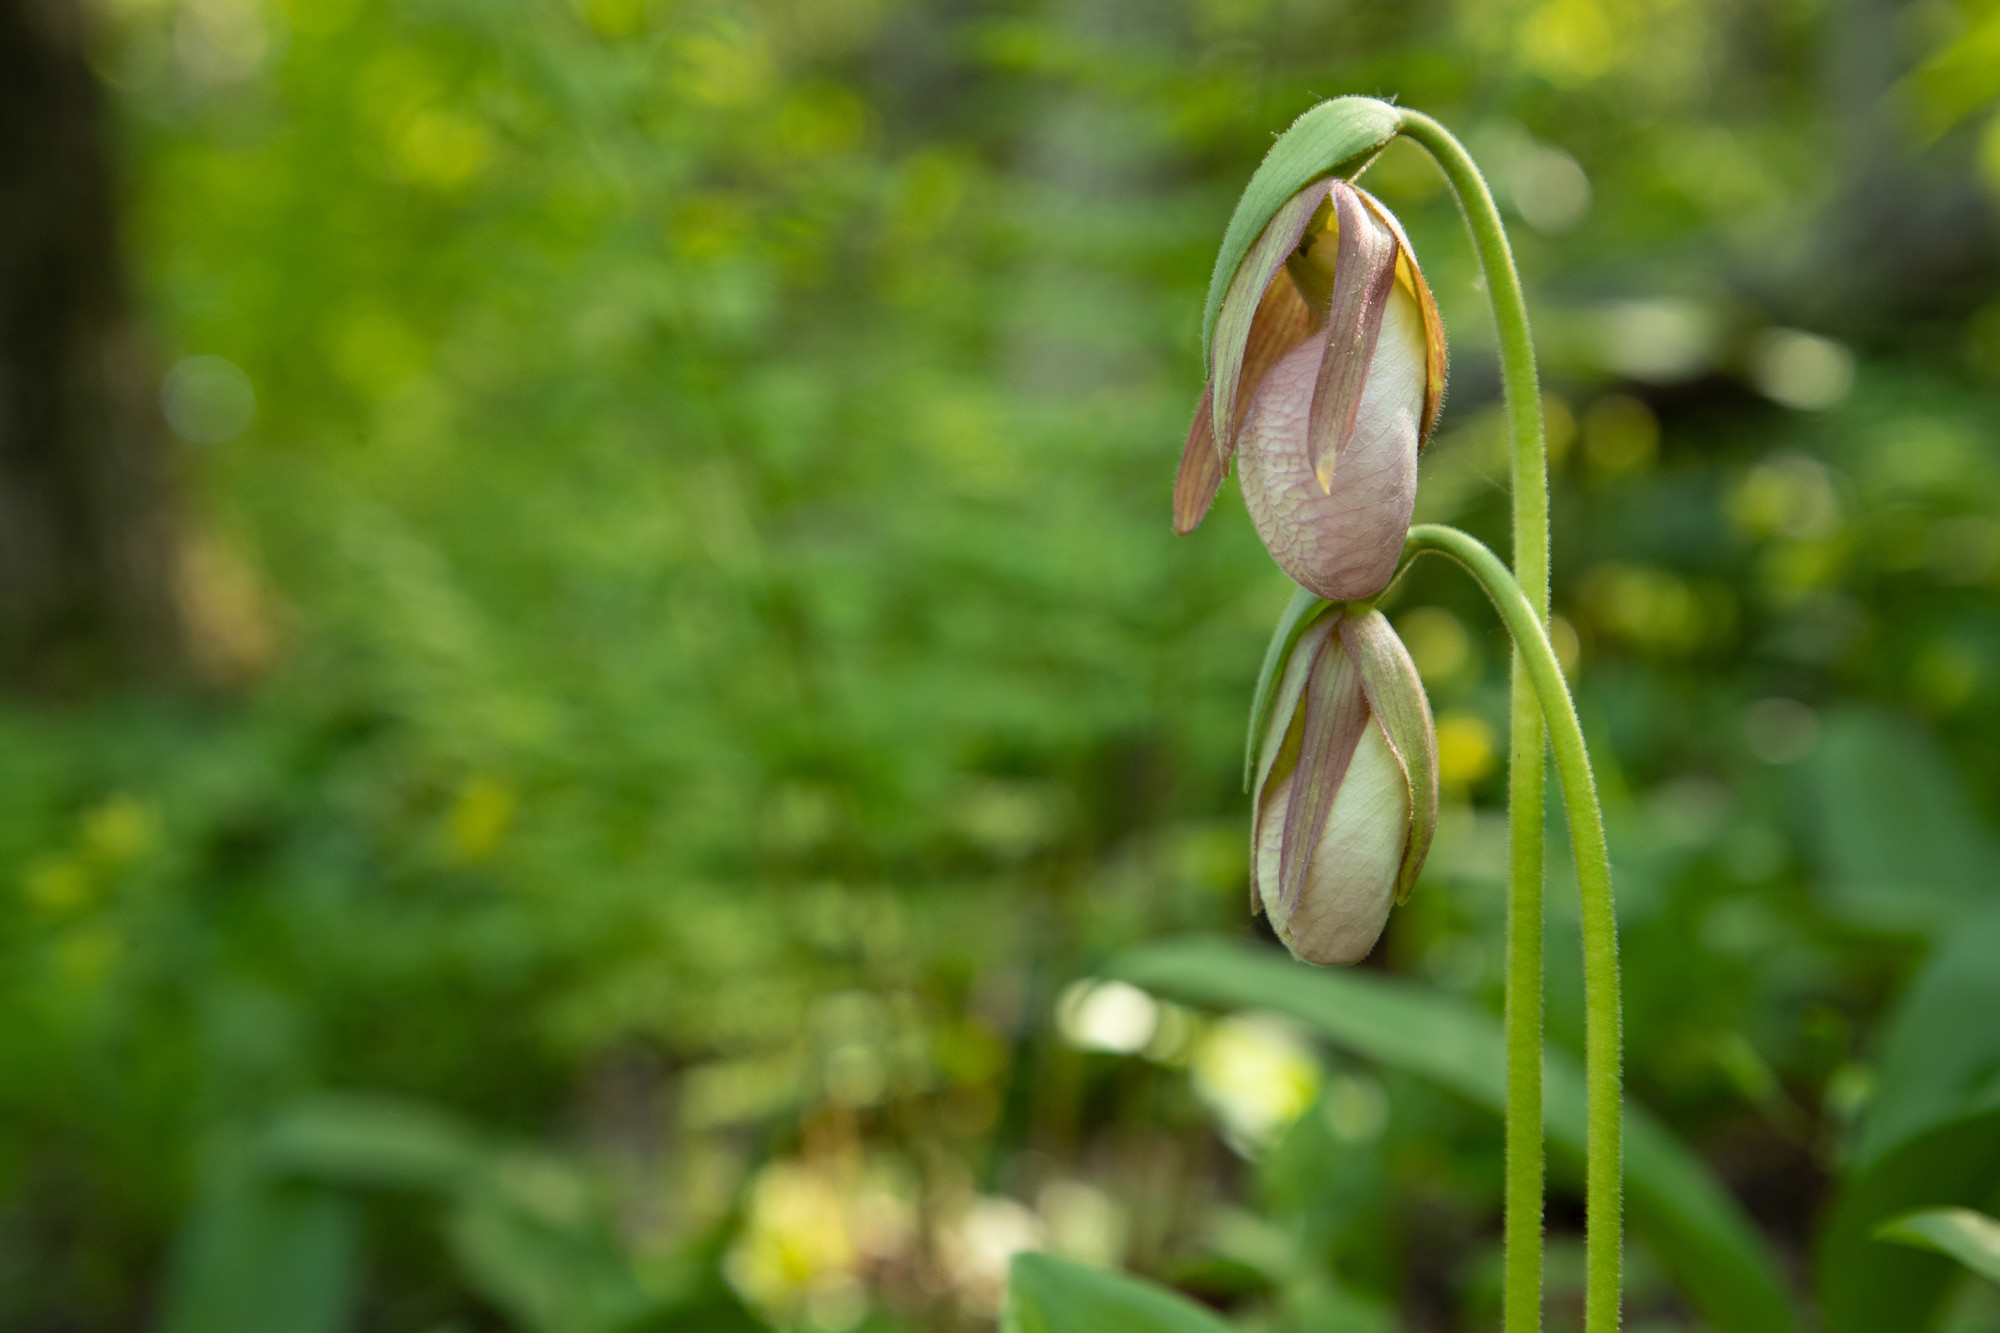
(616, 663)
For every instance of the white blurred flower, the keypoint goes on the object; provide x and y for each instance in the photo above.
(207, 399)
(1107, 1016)
(981, 1244)
(1550, 189)
(1801, 370)
(1660, 341)
(1084, 1223)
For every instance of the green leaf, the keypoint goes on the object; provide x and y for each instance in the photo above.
(1298, 616)
(1931, 1138)
(1866, 1286)
(1719, 1260)
(1050, 1295)
(373, 1142)
(259, 1255)
(1935, 1065)
(529, 1242)
(528, 1232)
(1958, 1233)
(1335, 138)
(1900, 843)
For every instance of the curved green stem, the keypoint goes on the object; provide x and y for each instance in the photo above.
(1525, 1170)
(1602, 1058)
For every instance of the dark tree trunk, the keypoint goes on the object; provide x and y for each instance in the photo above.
(86, 533)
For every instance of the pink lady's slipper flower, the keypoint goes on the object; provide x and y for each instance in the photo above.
(1328, 375)
(1346, 788)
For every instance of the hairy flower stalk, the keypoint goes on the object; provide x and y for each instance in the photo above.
(1329, 365)
(1346, 788)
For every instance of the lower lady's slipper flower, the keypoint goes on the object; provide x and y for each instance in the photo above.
(1346, 790)
(1329, 365)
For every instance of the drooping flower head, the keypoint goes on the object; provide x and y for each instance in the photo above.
(1346, 787)
(1327, 364)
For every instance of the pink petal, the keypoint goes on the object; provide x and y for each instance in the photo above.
(1342, 544)
(1364, 273)
(1335, 712)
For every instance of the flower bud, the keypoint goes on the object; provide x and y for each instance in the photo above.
(1328, 375)
(1346, 792)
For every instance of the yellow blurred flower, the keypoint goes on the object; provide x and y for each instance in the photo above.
(1257, 1075)
(1466, 749)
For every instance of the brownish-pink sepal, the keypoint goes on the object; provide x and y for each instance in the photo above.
(1282, 322)
(1244, 300)
(1278, 748)
(1202, 469)
(1397, 701)
(1364, 275)
(1435, 359)
(1336, 712)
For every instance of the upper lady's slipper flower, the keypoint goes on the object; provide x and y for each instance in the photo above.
(1328, 376)
(1346, 790)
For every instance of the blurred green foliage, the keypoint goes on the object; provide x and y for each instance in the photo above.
(703, 666)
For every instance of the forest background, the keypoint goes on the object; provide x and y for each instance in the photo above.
(657, 669)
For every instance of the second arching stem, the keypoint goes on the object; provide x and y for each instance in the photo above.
(1603, 1092)
(1529, 582)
